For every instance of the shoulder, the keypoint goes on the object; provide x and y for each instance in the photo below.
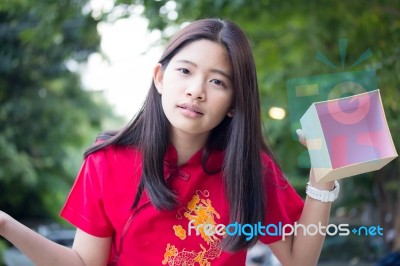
(270, 166)
(267, 160)
(274, 177)
(110, 171)
(111, 157)
(284, 205)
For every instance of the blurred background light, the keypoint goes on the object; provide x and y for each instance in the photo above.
(277, 113)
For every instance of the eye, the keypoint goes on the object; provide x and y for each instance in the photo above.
(218, 82)
(184, 71)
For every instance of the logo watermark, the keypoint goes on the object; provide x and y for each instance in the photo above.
(281, 230)
(343, 115)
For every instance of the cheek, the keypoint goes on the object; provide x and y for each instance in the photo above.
(166, 103)
(223, 102)
(222, 107)
(167, 95)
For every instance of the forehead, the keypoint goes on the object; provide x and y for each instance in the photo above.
(205, 53)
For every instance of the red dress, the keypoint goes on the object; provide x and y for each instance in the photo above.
(100, 203)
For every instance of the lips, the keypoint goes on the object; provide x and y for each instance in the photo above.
(191, 107)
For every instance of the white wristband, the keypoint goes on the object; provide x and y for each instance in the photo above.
(323, 195)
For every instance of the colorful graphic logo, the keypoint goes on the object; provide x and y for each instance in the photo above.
(280, 229)
(303, 92)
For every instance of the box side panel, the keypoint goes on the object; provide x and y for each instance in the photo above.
(356, 169)
(381, 139)
(316, 145)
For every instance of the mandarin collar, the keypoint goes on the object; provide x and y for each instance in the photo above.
(171, 169)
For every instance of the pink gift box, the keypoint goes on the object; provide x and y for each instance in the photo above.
(347, 136)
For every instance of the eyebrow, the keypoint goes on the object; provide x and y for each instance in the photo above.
(213, 70)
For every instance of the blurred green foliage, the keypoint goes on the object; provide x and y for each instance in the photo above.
(46, 118)
(3, 247)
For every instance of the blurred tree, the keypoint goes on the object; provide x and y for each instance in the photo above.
(46, 118)
(286, 36)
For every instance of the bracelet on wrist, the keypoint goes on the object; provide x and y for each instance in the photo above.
(323, 195)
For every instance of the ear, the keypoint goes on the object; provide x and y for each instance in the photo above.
(158, 75)
(230, 112)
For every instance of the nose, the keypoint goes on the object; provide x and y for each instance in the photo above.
(196, 90)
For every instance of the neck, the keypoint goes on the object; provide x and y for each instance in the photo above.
(187, 144)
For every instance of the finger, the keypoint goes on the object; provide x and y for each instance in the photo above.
(301, 136)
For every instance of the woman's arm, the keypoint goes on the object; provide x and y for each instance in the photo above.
(305, 250)
(87, 250)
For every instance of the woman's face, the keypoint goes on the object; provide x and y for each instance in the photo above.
(196, 88)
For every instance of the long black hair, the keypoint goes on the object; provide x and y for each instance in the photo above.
(240, 136)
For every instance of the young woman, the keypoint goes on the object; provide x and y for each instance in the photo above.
(190, 180)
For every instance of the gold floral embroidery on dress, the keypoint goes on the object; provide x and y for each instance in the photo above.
(202, 215)
(180, 232)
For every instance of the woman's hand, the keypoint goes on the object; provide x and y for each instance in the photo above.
(326, 185)
(87, 250)
(302, 138)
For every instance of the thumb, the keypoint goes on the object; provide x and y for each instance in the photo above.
(301, 136)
